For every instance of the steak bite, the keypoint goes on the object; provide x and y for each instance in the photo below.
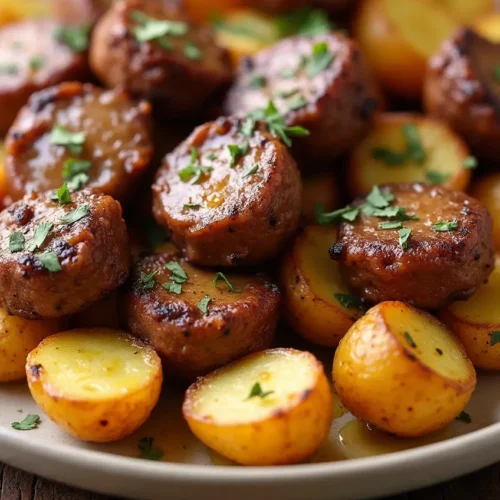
(319, 83)
(416, 243)
(57, 257)
(230, 194)
(80, 134)
(153, 50)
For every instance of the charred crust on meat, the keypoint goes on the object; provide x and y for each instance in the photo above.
(272, 220)
(368, 107)
(22, 215)
(335, 251)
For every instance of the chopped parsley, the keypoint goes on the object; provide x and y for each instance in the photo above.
(388, 156)
(398, 213)
(323, 218)
(320, 60)
(177, 278)
(147, 281)
(435, 177)
(148, 451)
(470, 162)
(203, 304)
(192, 51)
(36, 63)
(62, 195)
(252, 170)
(75, 37)
(256, 391)
(288, 73)
(305, 22)
(349, 301)
(297, 102)
(276, 124)
(16, 242)
(409, 340)
(173, 287)
(193, 172)
(414, 150)
(445, 225)
(379, 199)
(404, 236)
(464, 417)
(257, 81)
(150, 29)
(495, 337)
(192, 206)
(73, 167)
(29, 423)
(41, 232)
(79, 213)
(9, 69)
(237, 152)
(74, 141)
(248, 127)
(285, 94)
(50, 262)
(390, 225)
(212, 157)
(221, 276)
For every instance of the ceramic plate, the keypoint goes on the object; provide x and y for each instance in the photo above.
(355, 462)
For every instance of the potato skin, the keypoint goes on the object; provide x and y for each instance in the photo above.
(383, 383)
(190, 343)
(241, 221)
(18, 337)
(98, 421)
(318, 320)
(290, 436)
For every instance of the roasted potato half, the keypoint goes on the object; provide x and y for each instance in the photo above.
(401, 370)
(270, 408)
(19, 336)
(96, 384)
(388, 154)
(487, 191)
(465, 11)
(317, 304)
(397, 38)
(320, 188)
(11, 11)
(476, 322)
(489, 27)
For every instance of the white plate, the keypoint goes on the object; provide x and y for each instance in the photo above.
(190, 471)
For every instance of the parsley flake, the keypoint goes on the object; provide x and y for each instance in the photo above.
(305, 22)
(252, 170)
(445, 225)
(390, 225)
(470, 162)
(9, 69)
(150, 29)
(409, 340)
(256, 391)
(388, 156)
(50, 262)
(237, 152)
(16, 242)
(323, 218)
(148, 452)
(193, 206)
(74, 141)
(29, 423)
(221, 276)
(349, 301)
(297, 103)
(379, 199)
(79, 213)
(257, 81)
(177, 278)
(75, 37)
(320, 59)
(41, 232)
(404, 236)
(193, 172)
(62, 195)
(173, 287)
(192, 51)
(495, 337)
(203, 304)
(73, 167)
(36, 63)
(435, 177)
(248, 127)
(464, 417)
(147, 281)
(414, 148)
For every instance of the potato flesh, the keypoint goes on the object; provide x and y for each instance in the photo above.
(225, 401)
(412, 19)
(93, 367)
(479, 308)
(429, 335)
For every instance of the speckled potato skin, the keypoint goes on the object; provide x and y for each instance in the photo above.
(18, 337)
(118, 140)
(178, 86)
(340, 100)
(98, 421)
(289, 437)
(60, 63)
(380, 381)
(243, 220)
(93, 253)
(437, 267)
(190, 343)
(460, 89)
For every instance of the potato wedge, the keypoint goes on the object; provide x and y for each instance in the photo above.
(487, 191)
(397, 38)
(98, 384)
(244, 32)
(476, 322)
(314, 296)
(382, 156)
(401, 370)
(320, 188)
(489, 27)
(19, 336)
(273, 407)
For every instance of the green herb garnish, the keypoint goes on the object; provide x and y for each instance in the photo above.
(495, 337)
(150, 29)
(470, 162)
(203, 304)
(349, 301)
(252, 170)
(79, 213)
(221, 276)
(248, 127)
(148, 452)
(50, 262)
(257, 81)
(75, 37)
(9, 69)
(410, 340)
(305, 22)
(435, 177)
(445, 225)
(29, 423)
(147, 281)
(256, 391)
(192, 51)
(378, 198)
(177, 278)
(16, 242)
(404, 236)
(414, 148)
(41, 232)
(390, 225)
(73, 167)
(297, 103)
(237, 152)
(36, 63)
(193, 172)
(388, 156)
(192, 206)
(323, 218)
(74, 141)
(320, 59)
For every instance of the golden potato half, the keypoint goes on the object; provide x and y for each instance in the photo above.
(317, 304)
(272, 407)
(19, 336)
(476, 322)
(487, 191)
(96, 384)
(401, 370)
(388, 154)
